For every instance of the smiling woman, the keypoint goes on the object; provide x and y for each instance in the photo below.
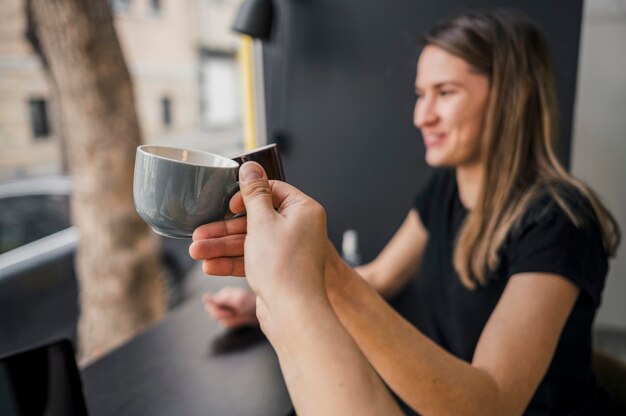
(503, 65)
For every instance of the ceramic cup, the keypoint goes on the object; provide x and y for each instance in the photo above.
(177, 190)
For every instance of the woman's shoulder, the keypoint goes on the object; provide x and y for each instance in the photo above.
(559, 233)
(559, 201)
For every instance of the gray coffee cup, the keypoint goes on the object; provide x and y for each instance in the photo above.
(177, 190)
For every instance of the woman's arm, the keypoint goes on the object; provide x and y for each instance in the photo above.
(400, 258)
(510, 360)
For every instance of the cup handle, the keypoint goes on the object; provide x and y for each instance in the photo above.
(231, 191)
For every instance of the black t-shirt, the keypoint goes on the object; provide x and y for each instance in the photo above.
(544, 240)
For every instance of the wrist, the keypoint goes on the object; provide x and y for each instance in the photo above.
(296, 307)
(337, 273)
(288, 321)
(293, 301)
(279, 284)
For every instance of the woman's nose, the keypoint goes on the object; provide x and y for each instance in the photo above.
(424, 113)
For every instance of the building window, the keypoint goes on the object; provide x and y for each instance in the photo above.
(219, 89)
(166, 111)
(120, 6)
(39, 123)
(155, 6)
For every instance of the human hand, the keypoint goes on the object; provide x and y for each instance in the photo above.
(285, 259)
(286, 239)
(220, 244)
(232, 307)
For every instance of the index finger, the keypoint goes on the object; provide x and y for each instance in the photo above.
(220, 229)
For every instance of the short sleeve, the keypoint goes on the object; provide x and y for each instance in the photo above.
(431, 195)
(548, 241)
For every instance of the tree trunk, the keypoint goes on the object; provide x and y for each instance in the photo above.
(117, 261)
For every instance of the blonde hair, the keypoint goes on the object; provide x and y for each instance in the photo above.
(517, 139)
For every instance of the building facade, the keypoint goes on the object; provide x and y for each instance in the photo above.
(182, 59)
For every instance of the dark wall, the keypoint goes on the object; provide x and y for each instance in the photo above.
(339, 88)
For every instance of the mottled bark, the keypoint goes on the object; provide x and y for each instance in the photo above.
(117, 261)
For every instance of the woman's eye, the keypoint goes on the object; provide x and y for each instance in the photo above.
(444, 93)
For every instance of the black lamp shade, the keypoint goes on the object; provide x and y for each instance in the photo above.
(254, 18)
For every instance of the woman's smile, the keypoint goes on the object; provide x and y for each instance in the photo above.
(434, 139)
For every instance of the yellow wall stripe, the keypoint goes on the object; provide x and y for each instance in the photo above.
(247, 81)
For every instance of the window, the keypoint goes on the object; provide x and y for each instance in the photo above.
(166, 111)
(155, 6)
(27, 218)
(219, 90)
(120, 6)
(39, 123)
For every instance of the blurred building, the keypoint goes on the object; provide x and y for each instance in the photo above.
(182, 58)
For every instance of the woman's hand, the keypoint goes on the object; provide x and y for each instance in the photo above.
(232, 307)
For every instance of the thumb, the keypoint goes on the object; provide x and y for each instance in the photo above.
(255, 190)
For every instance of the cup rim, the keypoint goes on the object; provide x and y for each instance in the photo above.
(143, 150)
(257, 150)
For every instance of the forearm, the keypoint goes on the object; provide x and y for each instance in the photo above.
(399, 260)
(428, 378)
(381, 280)
(325, 372)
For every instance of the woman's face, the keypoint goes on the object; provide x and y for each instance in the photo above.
(450, 108)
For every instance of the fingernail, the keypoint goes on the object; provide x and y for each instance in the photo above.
(250, 172)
